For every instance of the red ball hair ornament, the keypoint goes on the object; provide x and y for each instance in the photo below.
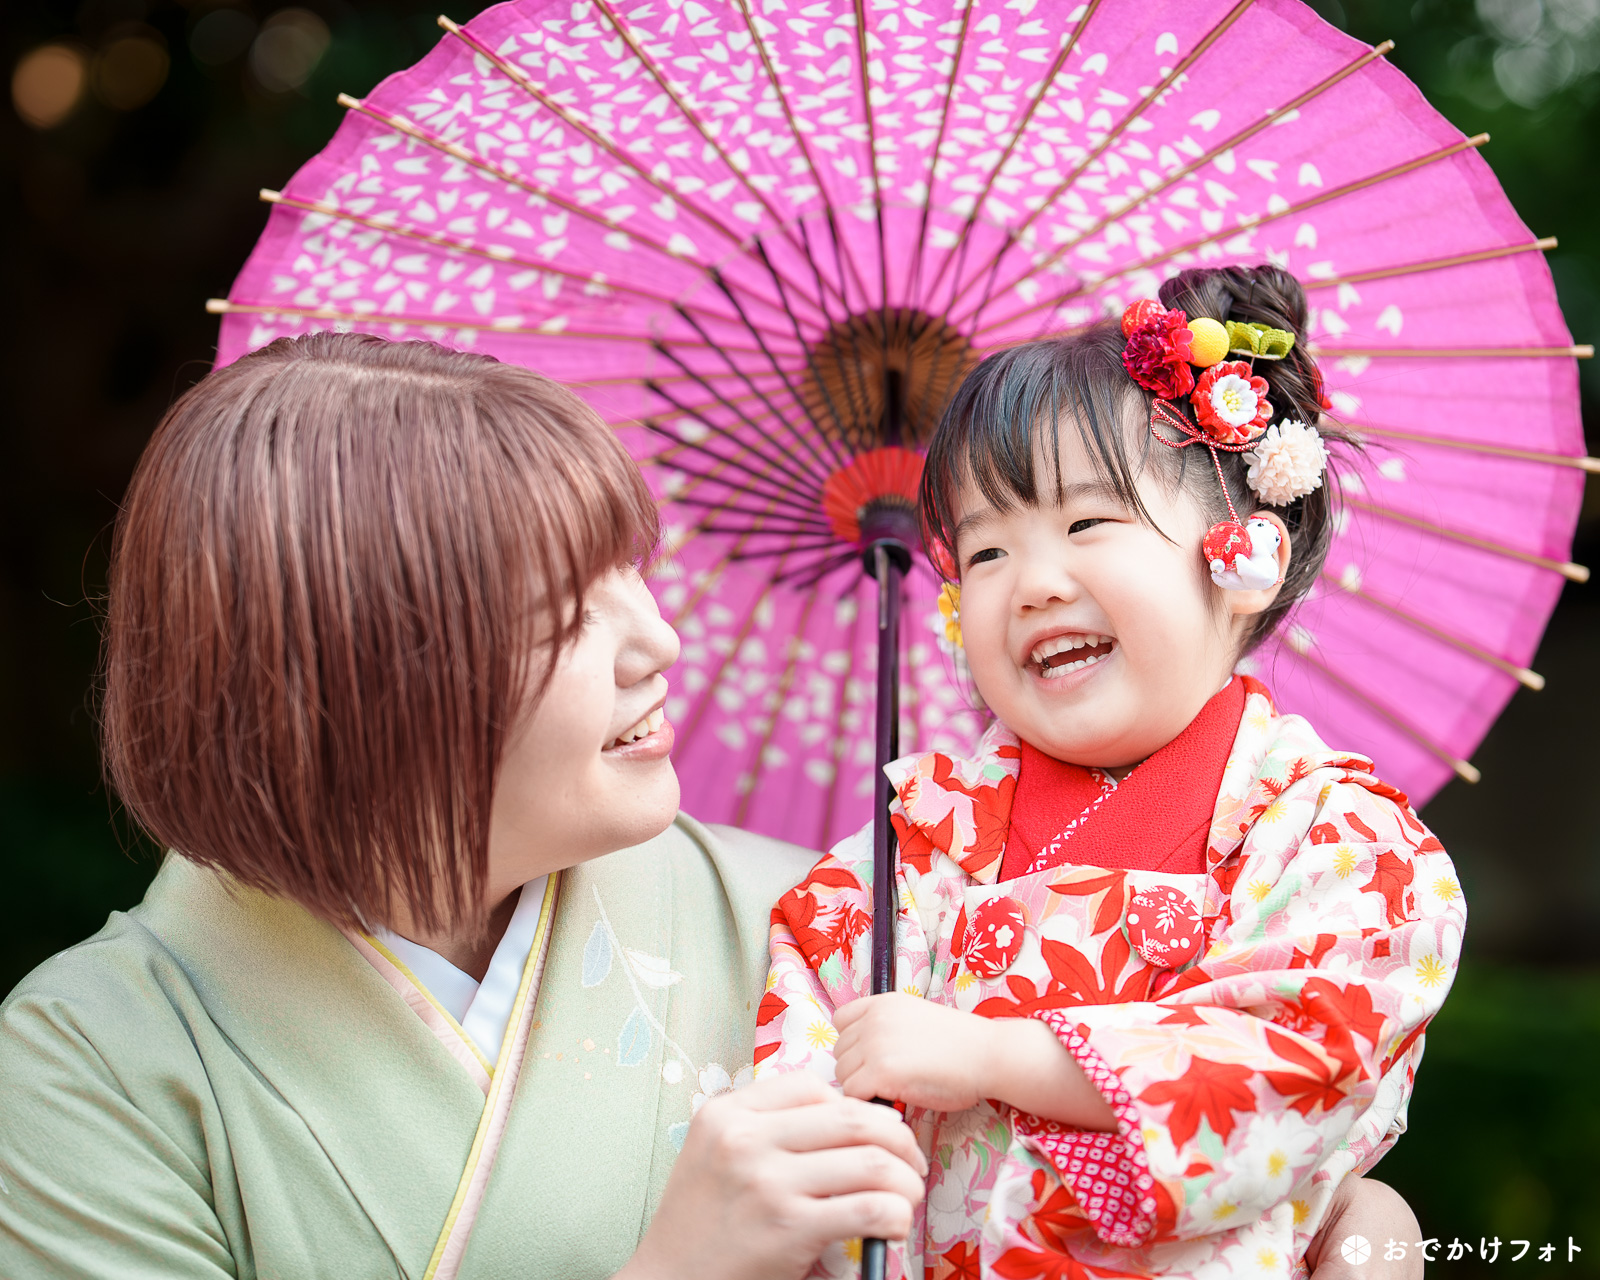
(1137, 314)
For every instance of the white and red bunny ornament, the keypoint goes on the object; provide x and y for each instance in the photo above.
(1255, 570)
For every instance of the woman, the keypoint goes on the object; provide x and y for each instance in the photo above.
(438, 984)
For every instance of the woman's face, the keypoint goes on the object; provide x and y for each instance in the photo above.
(590, 770)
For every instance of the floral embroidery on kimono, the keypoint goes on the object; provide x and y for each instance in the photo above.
(1247, 1081)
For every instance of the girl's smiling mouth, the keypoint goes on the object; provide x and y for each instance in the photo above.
(1060, 654)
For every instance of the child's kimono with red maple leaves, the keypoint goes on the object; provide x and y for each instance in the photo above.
(1240, 945)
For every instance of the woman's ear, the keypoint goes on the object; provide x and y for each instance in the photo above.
(1265, 529)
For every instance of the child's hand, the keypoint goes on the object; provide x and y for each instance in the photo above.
(911, 1050)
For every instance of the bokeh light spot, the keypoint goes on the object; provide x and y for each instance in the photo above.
(221, 36)
(48, 84)
(291, 43)
(130, 71)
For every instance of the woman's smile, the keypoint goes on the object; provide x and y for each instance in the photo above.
(650, 739)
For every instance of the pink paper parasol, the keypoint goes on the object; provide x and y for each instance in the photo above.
(766, 238)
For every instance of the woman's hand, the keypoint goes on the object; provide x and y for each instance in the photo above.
(924, 1054)
(1378, 1214)
(771, 1175)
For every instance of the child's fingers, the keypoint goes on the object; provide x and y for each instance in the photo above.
(849, 1057)
(854, 1079)
(864, 1069)
(869, 1077)
(847, 1015)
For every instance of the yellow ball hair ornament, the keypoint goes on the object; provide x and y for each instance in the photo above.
(1208, 342)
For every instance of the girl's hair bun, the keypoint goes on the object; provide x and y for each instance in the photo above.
(1266, 295)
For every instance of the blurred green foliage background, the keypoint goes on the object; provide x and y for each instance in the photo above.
(126, 208)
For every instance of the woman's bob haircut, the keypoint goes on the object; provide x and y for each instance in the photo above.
(341, 574)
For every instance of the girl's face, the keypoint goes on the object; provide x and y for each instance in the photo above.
(570, 788)
(1088, 633)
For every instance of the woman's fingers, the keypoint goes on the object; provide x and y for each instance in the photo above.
(881, 1215)
(847, 1170)
(798, 1112)
(770, 1174)
(781, 1092)
(847, 1122)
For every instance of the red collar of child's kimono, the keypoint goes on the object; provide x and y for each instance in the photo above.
(1157, 819)
(962, 806)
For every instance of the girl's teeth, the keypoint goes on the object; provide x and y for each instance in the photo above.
(1050, 673)
(1065, 644)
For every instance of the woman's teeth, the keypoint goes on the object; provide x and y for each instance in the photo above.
(1061, 654)
(643, 729)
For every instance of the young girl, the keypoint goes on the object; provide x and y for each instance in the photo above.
(1164, 960)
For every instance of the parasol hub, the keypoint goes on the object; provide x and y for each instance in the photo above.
(874, 496)
(894, 528)
(884, 377)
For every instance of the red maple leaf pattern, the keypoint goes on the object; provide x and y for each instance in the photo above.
(1051, 1226)
(1390, 878)
(772, 1004)
(1344, 1011)
(1315, 1084)
(960, 1263)
(919, 842)
(1208, 1090)
(820, 927)
(1113, 890)
(1366, 832)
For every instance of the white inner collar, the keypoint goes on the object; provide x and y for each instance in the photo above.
(483, 1009)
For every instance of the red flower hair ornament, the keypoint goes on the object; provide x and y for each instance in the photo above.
(1159, 351)
(1230, 403)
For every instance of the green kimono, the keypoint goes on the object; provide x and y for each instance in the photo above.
(219, 1084)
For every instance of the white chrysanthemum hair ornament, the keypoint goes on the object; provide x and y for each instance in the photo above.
(1232, 414)
(1286, 463)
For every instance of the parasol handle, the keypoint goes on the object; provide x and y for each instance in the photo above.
(887, 560)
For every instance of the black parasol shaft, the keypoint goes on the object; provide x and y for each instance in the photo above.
(889, 571)
(887, 559)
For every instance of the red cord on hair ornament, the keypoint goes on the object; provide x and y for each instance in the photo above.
(1227, 540)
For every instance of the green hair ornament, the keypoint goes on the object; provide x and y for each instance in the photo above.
(1258, 341)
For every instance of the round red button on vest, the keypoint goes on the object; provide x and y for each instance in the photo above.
(994, 937)
(1164, 927)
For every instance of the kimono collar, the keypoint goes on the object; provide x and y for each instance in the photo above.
(961, 806)
(1157, 819)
